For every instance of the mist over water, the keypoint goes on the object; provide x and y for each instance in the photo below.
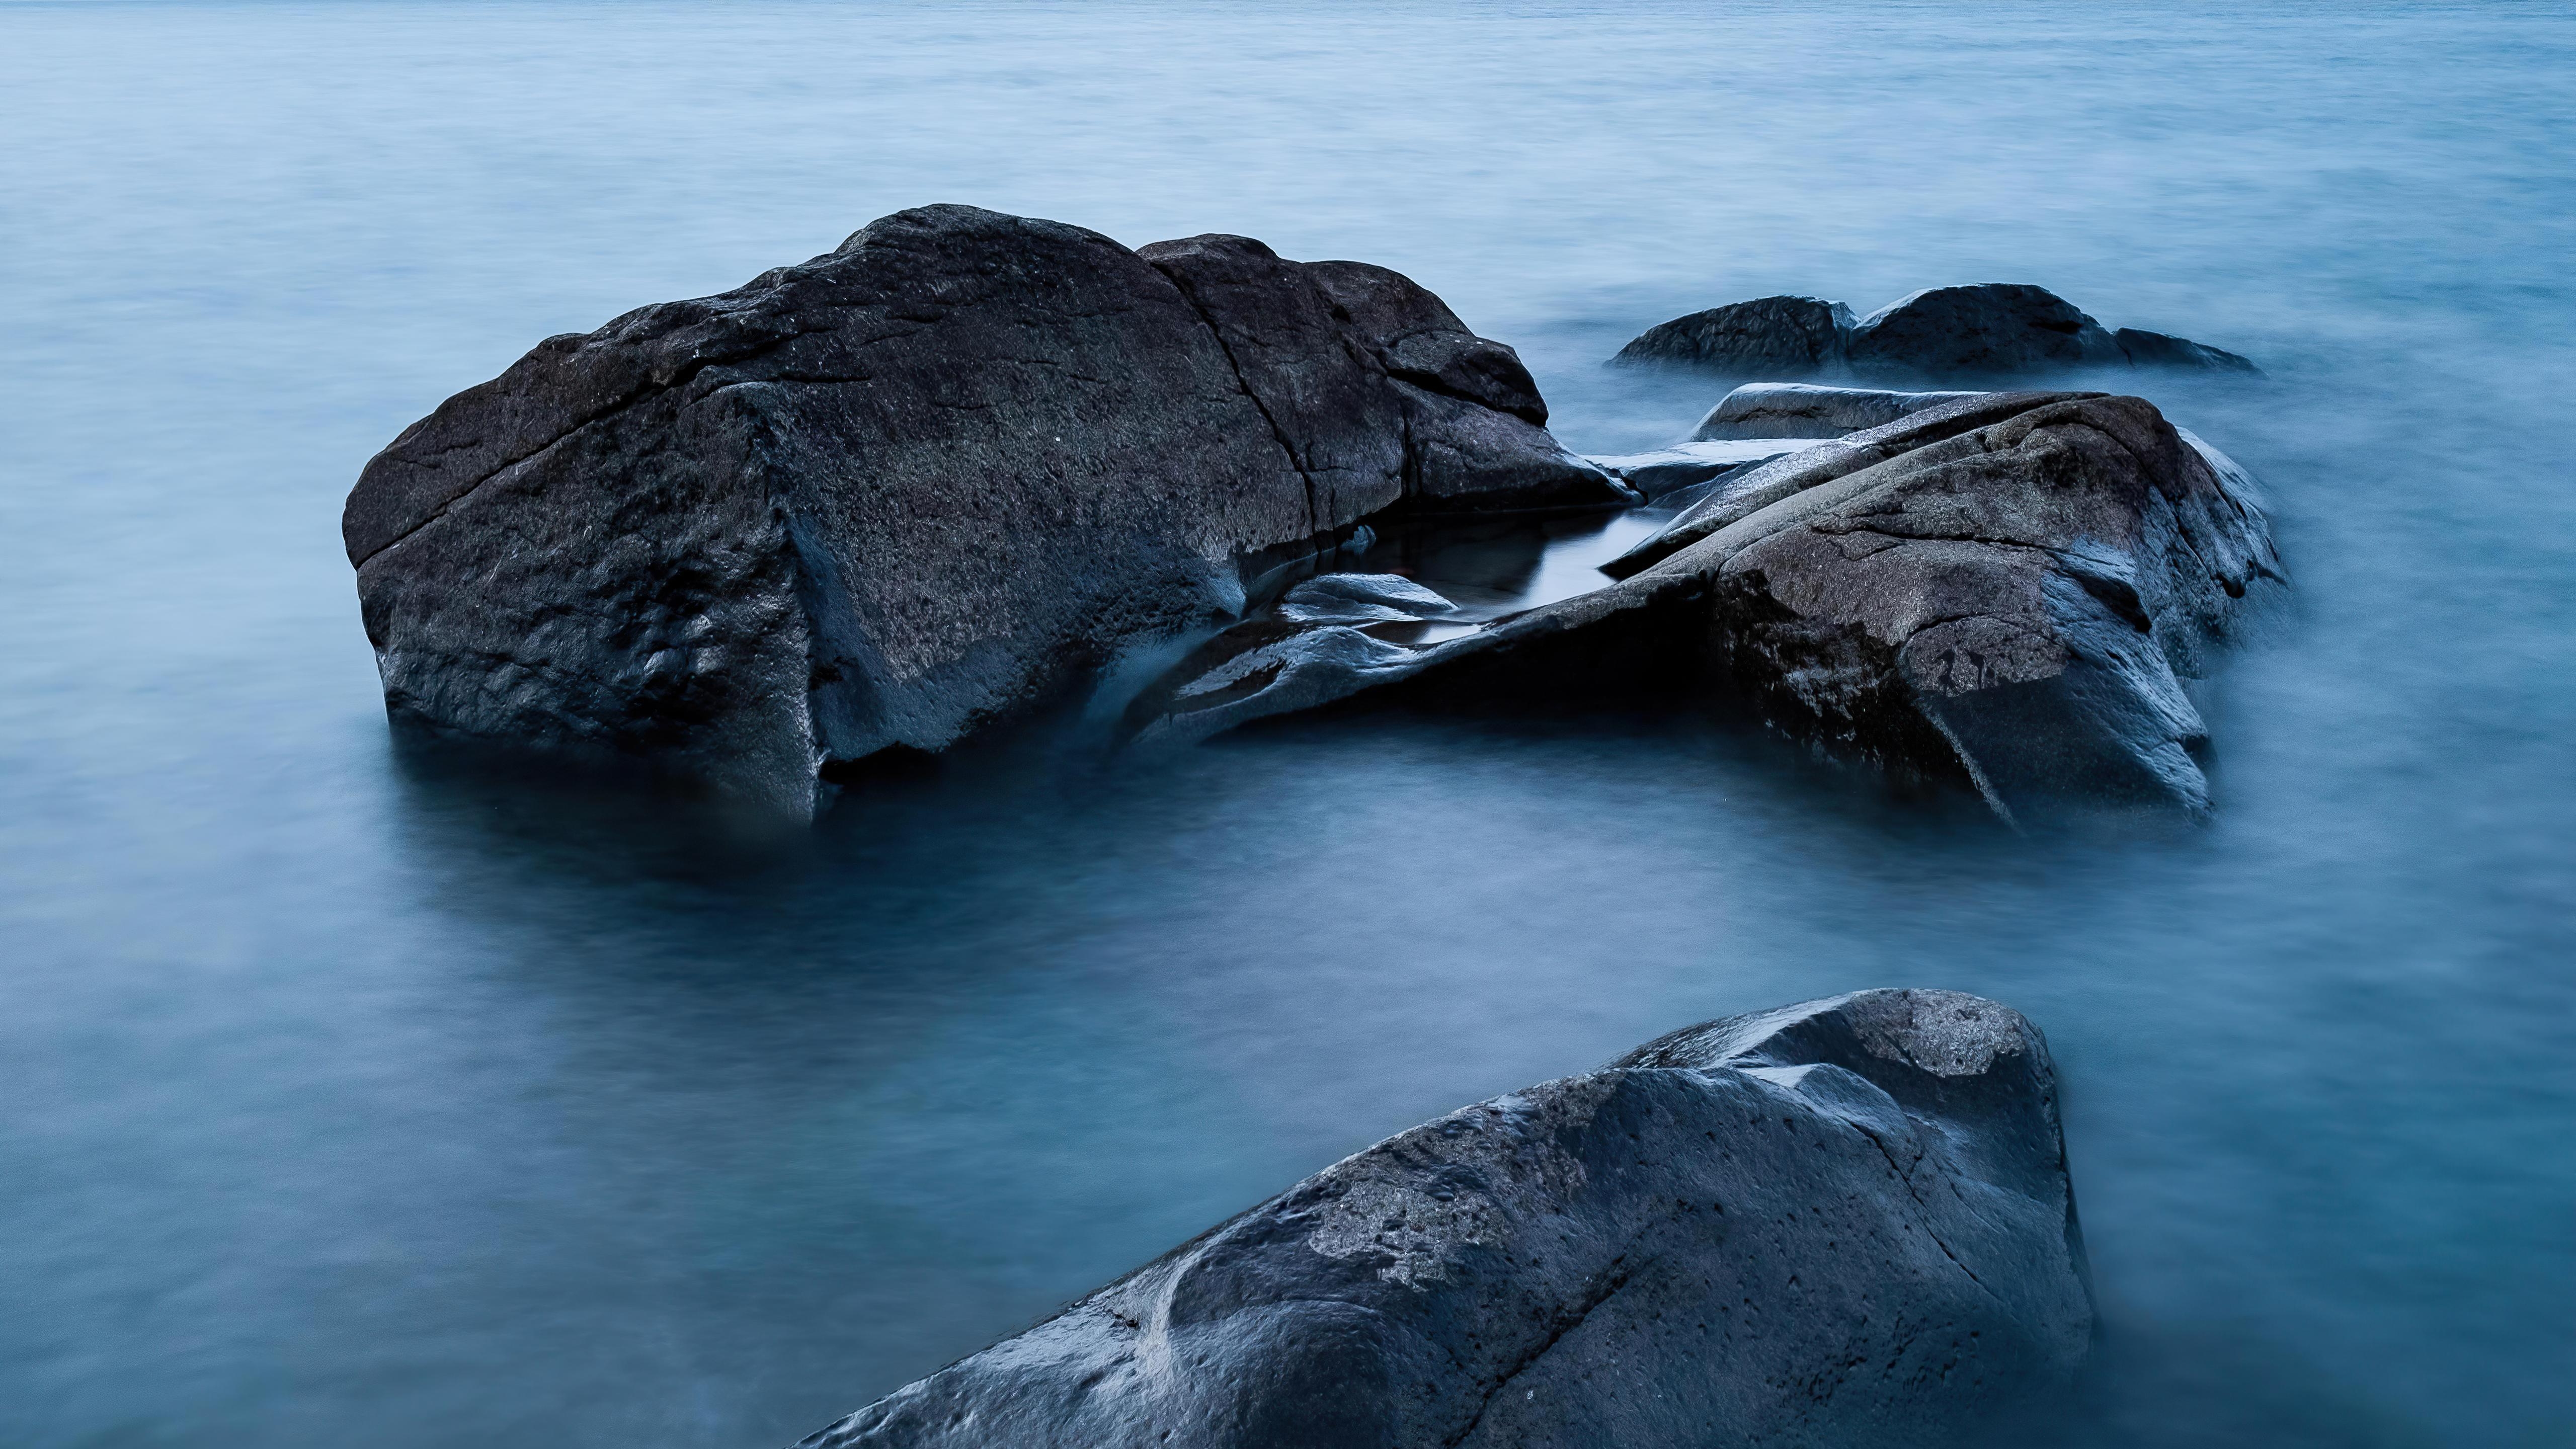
(353, 1093)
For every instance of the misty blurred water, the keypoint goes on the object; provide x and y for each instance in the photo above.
(351, 1097)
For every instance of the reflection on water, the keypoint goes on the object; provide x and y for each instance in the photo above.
(1495, 569)
(1486, 570)
(362, 1094)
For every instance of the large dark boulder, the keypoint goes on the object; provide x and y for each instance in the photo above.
(2005, 589)
(1989, 332)
(1845, 1223)
(913, 488)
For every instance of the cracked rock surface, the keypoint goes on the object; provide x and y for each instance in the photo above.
(2004, 588)
(911, 489)
(1845, 1223)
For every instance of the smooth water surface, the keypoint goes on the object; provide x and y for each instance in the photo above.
(348, 1097)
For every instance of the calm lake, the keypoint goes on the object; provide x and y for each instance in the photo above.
(349, 1096)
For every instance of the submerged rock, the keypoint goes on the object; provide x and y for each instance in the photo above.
(1846, 1222)
(2006, 589)
(2156, 349)
(1356, 355)
(910, 489)
(1985, 332)
(1361, 598)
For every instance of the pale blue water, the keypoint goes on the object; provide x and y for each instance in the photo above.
(350, 1101)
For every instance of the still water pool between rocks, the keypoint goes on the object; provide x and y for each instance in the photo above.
(354, 1094)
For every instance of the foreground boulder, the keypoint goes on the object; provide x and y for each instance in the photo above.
(1845, 1223)
(2005, 589)
(1987, 332)
(913, 488)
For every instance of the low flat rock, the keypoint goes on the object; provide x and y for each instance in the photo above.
(1983, 333)
(2157, 349)
(1845, 1223)
(1809, 410)
(1361, 598)
(1663, 472)
(2006, 590)
(911, 490)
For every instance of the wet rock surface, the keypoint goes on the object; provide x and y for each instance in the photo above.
(1362, 598)
(910, 490)
(1660, 474)
(1843, 1223)
(1757, 488)
(1986, 332)
(1808, 410)
(2006, 589)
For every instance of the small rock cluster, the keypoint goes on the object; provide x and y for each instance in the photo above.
(2007, 589)
(1989, 332)
(939, 480)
